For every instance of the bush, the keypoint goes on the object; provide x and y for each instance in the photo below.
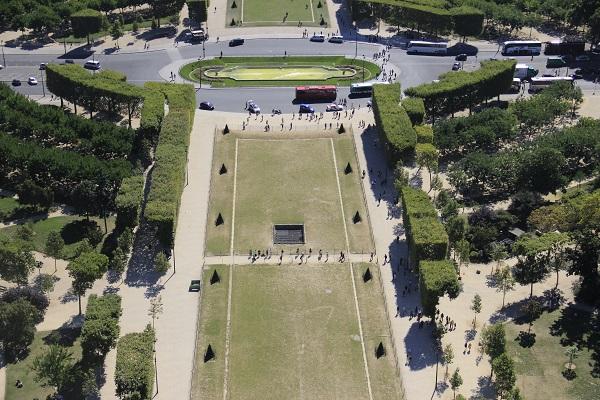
(35, 297)
(436, 279)
(100, 329)
(134, 366)
(456, 91)
(152, 113)
(424, 134)
(427, 238)
(393, 122)
(129, 201)
(76, 231)
(415, 108)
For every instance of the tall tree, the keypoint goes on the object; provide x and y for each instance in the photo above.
(505, 374)
(85, 270)
(498, 253)
(504, 282)
(17, 325)
(476, 307)
(164, 8)
(54, 246)
(156, 308)
(54, 367)
(86, 22)
(447, 357)
(493, 341)
(16, 262)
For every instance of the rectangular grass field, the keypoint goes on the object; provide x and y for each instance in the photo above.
(294, 335)
(273, 12)
(286, 181)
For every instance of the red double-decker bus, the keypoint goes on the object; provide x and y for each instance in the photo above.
(328, 92)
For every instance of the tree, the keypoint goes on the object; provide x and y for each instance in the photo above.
(118, 262)
(456, 227)
(156, 308)
(17, 326)
(571, 352)
(505, 374)
(116, 31)
(447, 357)
(456, 381)
(530, 270)
(25, 232)
(54, 367)
(504, 282)
(532, 310)
(98, 336)
(161, 263)
(498, 253)
(493, 341)
(16, 262)
(85, 22)
(54, 246)
(463, 250)
(43, 20)
(476, 307)
(427, 156)
(84, 198)
(31, 193)
(163, 8)
(84, 270)
(537, 174)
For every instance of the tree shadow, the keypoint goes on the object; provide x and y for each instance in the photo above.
(419, 346)
(63, 336)
(525, 339)
(68, 297)
(140, 270)
(485, 389)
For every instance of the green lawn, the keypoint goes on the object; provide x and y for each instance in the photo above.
(42, 229)
(294, 334)
(207, 378)
(22, 369)
(276, 73)
(7, 205)
(385, 383)
(277, 184)
(195, 71)
(540, 366)
(273, 12)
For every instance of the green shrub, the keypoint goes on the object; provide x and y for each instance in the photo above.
(415, 109)
(100, 329)
(424, 134)
(392, 121)
(152, 113)
(129, 200)
(134, 367)
(436, 279)
(427, 238)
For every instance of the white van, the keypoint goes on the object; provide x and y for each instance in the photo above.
(92, 64)
(336, 39)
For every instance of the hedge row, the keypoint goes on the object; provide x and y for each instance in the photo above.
(134, 367)
(198, 10)
(415, 108)
(100, 329)
(456, 91)
(52, 127)
(104, 91)
(424, 134)
(129, 200)
(426, 234)
(392, 120)
(168, 176)
(436, 279)
(152, 113)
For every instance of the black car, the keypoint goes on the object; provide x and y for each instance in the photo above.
(236, 42)
(206, 105)
(16, 82)
(461, 57)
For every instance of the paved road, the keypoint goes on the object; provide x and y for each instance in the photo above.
(144, 66)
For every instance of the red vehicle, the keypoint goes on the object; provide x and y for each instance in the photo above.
(305, 93)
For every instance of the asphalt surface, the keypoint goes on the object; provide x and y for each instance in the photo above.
(145, 66)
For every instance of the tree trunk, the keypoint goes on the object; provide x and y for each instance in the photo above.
(556, 287)
(531, 290)
(55, 267)
(79, 299)
(61, 103)
(503, 297)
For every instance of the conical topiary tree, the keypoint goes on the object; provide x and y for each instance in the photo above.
(215, 278)
(341, 129)
(380, 350)
(357, 218)
(209, 354)
(219, 220)
(348, 169)
(232, 22)
(367, 276)
(233, 5)
(226, 130)
(223, 169)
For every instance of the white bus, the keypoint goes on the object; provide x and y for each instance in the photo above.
(522, 48)
(537, 84)
(420, 47)
(365, 88)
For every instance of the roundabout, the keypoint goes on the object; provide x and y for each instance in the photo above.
(279, 71)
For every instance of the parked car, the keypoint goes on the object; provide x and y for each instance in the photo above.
(43, 66)
(254, 108)
(206, 105)
(336, 39)
(334, 107)
(461, 57)
(583, 58)
(236, 42)
(92, 64)
(32, 81)
(317, 38)
(16, 82)
(456, 66)
(306, 109)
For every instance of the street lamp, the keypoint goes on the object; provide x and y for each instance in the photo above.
(3, 56)
(363, 68)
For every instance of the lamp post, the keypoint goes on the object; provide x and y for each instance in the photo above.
(363, 68)
(42, 76)
(3, 56)
(355, 43)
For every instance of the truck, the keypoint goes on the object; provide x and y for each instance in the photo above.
(524, 71)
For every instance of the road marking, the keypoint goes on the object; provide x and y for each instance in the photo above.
(360, 330)
(231, 268)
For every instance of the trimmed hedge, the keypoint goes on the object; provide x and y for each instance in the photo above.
(415, 108)
(427, 238)
(436, 279)
(134, 367)
(467, 21)
(395, 127)
(459, 90)
(152, 113)
(129, 201)
(424, 134)
(168, 176)
(198, 10)
(100, 329)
